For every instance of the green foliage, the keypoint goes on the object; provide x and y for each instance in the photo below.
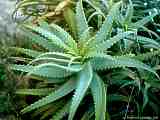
(62, 91)
(77, 61)
(99, 93)
(61, 113)
(4, 102)
(2, 73)
(7, 87)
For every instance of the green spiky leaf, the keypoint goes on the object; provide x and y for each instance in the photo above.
(109, 43)
(119, 61)
(49, 70)
(28, 52)
(82, 24)
(105, 29)
(84, 80)
(53, 39)
(99, 95)
(59, 93)
(39, 92)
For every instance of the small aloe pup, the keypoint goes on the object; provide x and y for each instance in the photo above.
(74, 63)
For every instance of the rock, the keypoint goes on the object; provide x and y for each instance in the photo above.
(7, 25)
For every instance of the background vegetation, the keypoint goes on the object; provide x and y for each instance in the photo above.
(81, 60)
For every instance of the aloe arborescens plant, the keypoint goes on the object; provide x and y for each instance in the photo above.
(75, 62)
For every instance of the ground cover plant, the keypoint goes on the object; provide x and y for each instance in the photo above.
(99, 61)
(8, 105)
